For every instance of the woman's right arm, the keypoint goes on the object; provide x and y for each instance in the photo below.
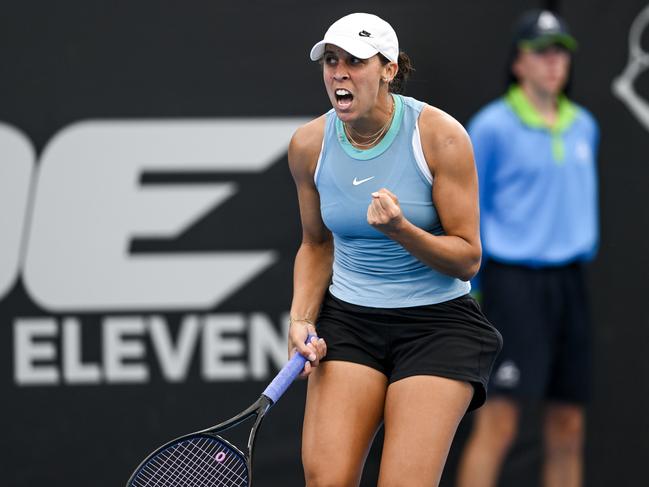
(313, 262)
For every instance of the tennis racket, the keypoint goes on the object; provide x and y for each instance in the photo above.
(205, 459)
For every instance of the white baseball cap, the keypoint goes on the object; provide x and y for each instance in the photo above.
(361, 35)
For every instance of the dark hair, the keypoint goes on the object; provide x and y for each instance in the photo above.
(398, 83)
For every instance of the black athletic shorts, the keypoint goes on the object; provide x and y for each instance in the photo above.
(452, 339)
(542, 314)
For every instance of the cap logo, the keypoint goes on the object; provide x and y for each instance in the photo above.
(364, 33)
(547, 21)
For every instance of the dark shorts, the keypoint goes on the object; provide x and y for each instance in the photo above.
(543, 317)
(451, 339)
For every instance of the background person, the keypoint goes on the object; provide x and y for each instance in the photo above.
(536, 156)
(405, 343)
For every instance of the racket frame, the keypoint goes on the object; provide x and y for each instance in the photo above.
(257, 410)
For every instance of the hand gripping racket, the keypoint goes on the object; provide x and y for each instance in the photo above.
(204, 459)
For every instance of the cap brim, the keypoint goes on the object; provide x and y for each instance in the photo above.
(355, 47)
(564, 40)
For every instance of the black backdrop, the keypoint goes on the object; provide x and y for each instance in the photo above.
(247, 62)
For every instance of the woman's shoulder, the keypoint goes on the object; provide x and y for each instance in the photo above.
(306, 143)
(309, 134)
(443, 138)
(440, 127)
(308, 137)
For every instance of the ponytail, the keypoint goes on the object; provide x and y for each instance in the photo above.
(398, 83)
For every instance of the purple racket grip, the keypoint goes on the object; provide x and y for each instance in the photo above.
(286, 376)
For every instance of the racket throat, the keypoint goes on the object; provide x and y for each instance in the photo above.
(263, 404)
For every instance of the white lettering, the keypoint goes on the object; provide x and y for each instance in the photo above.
(28, 351)
(219, 345)
(74, 370)
(47, 352)
(90, 205)
(117, 348)
(174, 360)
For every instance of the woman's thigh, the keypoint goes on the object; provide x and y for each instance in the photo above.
(344, 409)
(421, 417)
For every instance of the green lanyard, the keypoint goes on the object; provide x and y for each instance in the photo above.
(530, 116)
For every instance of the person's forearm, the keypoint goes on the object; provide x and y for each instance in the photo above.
(448, 254)
(311, 276)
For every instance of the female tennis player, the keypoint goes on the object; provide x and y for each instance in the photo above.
(389, 206)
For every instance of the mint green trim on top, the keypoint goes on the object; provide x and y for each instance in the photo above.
(382, 146)
(529, 115)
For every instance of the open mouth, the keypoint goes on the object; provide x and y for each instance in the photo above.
(344, 98)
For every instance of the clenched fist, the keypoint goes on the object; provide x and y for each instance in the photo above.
(384, 212)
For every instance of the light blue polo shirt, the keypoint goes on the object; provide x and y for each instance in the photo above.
(538, 184)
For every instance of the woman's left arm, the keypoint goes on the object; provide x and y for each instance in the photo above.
(448, 151)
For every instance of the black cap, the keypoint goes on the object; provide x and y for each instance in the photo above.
(537, 29)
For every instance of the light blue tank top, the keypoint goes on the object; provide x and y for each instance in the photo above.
(369, 268)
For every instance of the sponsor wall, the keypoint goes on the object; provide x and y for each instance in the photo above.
(149, 221)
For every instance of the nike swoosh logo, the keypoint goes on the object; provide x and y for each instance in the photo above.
(356, 182)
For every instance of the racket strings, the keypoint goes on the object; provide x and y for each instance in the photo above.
(182, 472)
(194, 470)
(194, 462)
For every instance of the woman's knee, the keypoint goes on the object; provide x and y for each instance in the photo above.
(322, 472)
(343, 412)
